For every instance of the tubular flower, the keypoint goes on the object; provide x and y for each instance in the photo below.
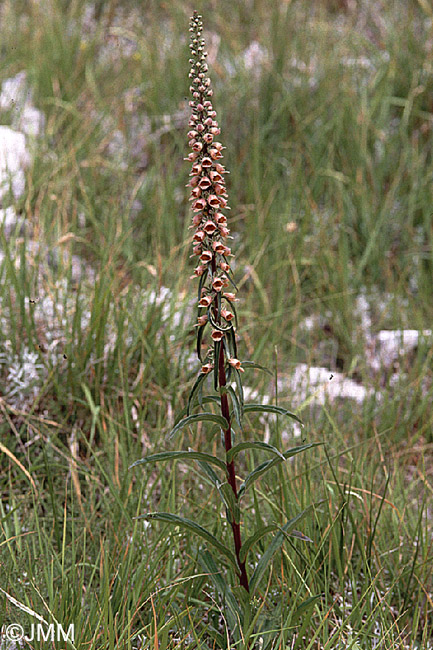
(208, 194)
(225, 313)
(206, 257)
(236, 364)
(205, 301)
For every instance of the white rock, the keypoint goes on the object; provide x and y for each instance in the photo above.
(14, 157)
(31, 121)
(317, 384)
(390, 344)
(14, 92)
(8, 219)
(17, 97)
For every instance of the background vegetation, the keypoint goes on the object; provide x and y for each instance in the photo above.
(326, 110)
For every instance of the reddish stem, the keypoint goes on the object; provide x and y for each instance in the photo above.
(225, 412)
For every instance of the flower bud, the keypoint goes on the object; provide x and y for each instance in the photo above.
(230, 297)
(202, 320)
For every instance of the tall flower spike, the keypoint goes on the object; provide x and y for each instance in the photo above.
(209, 195)
(209, 200)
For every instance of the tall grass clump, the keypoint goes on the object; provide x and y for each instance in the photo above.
(218, 391)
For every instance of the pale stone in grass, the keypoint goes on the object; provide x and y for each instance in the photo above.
(14, 157)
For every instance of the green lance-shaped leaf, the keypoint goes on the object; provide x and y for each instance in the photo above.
(181, 455)
(227, 497)
(231, 342)
(237, 408)
(253, 445)
(238, 380)
(267, 465)
(305, 607)
(210, 473)
(203, 400)
(232, 508)
(269, 408)
(200, 333)
(251, 364)
(202, 376)
(264, 530)
(199, 417)
(273, 547)
(169, 518)
(209, 565)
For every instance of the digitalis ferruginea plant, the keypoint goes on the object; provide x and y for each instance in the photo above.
(215, 303)
(220, 368)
